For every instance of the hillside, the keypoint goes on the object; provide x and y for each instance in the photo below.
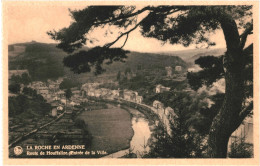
(191, 55)
(44, 61)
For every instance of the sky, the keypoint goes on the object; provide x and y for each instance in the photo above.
(31, 22)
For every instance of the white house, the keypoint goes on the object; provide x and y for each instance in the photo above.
(159, 88)
(54, 112)
(157, 104)
(115, 93)
(178, 68)
(59, 108)
(139, 99)
(169, 71)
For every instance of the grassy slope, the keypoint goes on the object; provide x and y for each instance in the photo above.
(111, 129)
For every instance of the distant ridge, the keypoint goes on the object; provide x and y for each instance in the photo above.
(191, 55)
(44, 61)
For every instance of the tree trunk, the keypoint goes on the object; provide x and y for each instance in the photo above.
(227, 119)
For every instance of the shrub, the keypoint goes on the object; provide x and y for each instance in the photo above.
(240, 149)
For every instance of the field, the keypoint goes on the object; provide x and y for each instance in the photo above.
(111, 129)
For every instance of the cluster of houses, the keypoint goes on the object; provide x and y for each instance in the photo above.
(91, 89)
(132, 96)
(55, 96)
(169, 70)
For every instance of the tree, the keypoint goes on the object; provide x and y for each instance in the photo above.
(26, 79)
(176, 25)
(118, 76)
(23, 79)
(67, 84)
(68, 93)
(14, 88)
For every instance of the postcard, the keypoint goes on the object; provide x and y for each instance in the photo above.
(140, 83)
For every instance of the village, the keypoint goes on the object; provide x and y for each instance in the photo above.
(53, 95)
(62, 106)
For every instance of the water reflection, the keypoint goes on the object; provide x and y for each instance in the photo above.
(139, 142)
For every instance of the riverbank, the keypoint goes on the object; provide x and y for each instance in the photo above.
(154, 123)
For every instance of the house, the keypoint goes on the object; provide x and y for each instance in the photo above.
(61, 93)
(130, 95)
(73, 103)
(43, 90)
(178, 68)
(76, 93)
(104, 91)
(97, 93)
(55, 104)
(91, 93)
(56, 98)
(159, 88)
(52, 86)
(59, 108)
(139, 99)
(83, 93)
(157, 104)
(21, 88)
(63, 101)
(115, 93)
(169, 112)
(169, 71)
(54, 112)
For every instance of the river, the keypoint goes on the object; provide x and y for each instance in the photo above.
(142, 133)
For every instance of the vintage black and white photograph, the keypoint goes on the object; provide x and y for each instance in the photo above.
(127, 81)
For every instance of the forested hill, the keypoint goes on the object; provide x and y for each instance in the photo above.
(44, 61)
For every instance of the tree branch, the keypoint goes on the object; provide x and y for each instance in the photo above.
(244, 35)
(246, 111)
(125, 16)
(123, 34)
(125, 41)
(127, 33)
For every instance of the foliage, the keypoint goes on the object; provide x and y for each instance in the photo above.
(29, 91)
(68, 93)
(23, 105)
(240, 149)
(212, 71)
(14, 88)
(68, 83)
(23, 79)
(181, 144)
(160, 23)
(43, 61)
(118, 77)
(83, 60)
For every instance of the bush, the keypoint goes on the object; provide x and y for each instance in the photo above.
(240, 149)
(14, 88)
